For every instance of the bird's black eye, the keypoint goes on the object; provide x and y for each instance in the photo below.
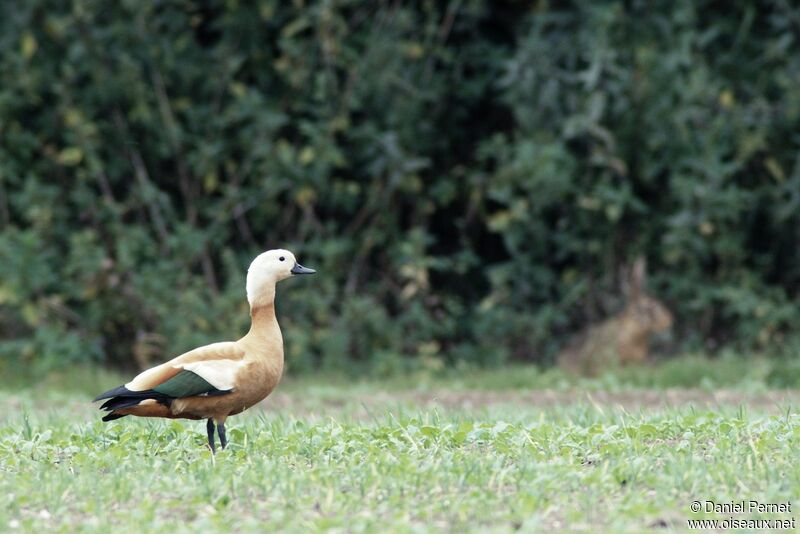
(281, 258)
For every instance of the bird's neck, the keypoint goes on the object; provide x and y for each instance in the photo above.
(263, 321)
(262, 311)
(264, 337)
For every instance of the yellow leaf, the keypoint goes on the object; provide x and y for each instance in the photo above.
(414, 50)
(726, 99)
(210, 182)
(266, 11)
(182, 104)
(589, 203)
(238, 89)
(6, 295)
(30, 314)
(339, 123)
(305, 196)
(72, 117)
(499, 221)
(28, 45)
(613, 212)
(706, 228)
(307, 155)
(775, 169)
(70, 156)
(90, 291)
(570, 276)
(429, 347)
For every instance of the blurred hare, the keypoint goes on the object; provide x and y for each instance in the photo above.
(624, 338)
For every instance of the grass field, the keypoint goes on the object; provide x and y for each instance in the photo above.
(453, 454)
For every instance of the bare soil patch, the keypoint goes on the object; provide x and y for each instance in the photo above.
(370, 404)
(631, 400)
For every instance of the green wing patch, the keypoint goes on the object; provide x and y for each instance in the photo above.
(186, 384)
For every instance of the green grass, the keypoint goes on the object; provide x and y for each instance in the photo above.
(375, 458)
(693, 371)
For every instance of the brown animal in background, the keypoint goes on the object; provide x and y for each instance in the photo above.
(624, 338)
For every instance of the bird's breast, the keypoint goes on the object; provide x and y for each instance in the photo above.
(254, 382)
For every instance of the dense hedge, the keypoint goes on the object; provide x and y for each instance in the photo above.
(467, 177)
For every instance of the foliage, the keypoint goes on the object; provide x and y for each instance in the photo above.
(466, 176)
(577, 467)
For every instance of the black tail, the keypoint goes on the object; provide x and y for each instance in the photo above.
(121, 397)
(121, 390)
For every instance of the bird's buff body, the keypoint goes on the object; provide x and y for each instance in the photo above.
(221, 379)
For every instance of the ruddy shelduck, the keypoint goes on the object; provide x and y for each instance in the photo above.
(222, 379)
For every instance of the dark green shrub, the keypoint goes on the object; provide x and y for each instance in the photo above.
(467, 177)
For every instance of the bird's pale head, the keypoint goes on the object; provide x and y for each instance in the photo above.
(268, 269)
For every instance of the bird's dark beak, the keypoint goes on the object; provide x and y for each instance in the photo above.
(299, 269)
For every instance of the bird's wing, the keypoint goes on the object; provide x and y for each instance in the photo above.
(216, 364)
(219, 373)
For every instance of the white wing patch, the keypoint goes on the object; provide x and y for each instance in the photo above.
(219, 373)
(141, 381)
(227, 352)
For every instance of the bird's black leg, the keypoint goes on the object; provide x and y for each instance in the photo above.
(223, 439)
(210, 429)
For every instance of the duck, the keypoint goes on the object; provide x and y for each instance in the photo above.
(216, 381)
